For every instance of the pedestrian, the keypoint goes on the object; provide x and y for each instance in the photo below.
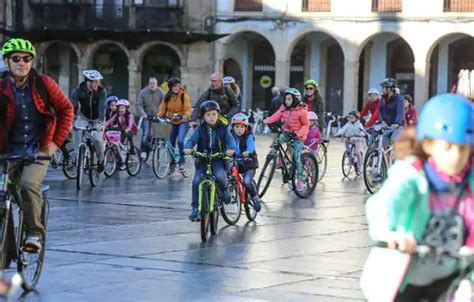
(148, 106)
(369, 115)
(428, 199)
(312, 98)
(410, 111)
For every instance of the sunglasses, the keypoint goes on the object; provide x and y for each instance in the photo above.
(26, 59)
(310, 88)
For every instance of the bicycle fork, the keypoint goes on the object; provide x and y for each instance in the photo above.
(210, 186)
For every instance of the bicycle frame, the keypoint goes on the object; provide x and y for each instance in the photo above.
(386, 154)
(279, 150)
(240, 186)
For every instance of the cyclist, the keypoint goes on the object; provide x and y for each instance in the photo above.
(89, 100)
(177, 107)
(246, 155)
(35, 118)
(371, 106)
(354, 130)
(391, 110)
(222, 95)
(230, 81)
(410, 111)
(123, 121)
(111, 107)
(314, 134)
(428, 197)
(211, 136)
(315, 102)
(294, 115)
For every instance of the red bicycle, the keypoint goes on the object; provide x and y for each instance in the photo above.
(240, 198)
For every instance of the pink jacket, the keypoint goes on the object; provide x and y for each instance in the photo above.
(121, 122)
(294, 120)
(314, 136)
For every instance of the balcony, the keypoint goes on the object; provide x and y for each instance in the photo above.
(61, 2)
(159, 14)
(316, 5)
(248, 6)
(462, 6)
(386, 6)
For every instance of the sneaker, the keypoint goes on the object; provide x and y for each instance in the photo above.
(143, 155)
(299, 186)
(226, 198)
(181, 168)
(122, 167)
(100, 167)
(194, 214)
(256, 204)
(33, 244)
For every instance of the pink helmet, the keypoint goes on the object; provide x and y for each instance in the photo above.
(113, 136)
(123, 102)
(312, 116)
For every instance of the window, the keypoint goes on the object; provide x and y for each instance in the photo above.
(248, 5)
(459, 5)
(316, 5)
(391, 6)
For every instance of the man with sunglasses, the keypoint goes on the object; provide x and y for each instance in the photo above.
(314, 101)
(35, 118)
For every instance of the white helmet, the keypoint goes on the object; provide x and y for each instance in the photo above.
(92, 75)
(373, 91)
(228, 80)
(123, 102)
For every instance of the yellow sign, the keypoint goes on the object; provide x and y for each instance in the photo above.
(265, 81)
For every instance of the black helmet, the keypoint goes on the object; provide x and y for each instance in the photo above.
(208, 106)
(408, 98)
(173, 81)
(389, 82)
(354, 113)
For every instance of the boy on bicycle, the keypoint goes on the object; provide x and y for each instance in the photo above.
(294, 115)
(211, 136)
(246, 155)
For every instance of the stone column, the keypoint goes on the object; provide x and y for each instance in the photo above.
(351, 72)
(64, 70)
(282, 73)
(421, 82)
(81, 66)
(134, 82)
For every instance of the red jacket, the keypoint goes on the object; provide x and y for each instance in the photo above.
(373, 107)
(410, 117)
(57, 125)
(294, 120)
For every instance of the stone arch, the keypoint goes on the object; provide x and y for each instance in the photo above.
(388, 30)
(141, 52)
(92, 49)
(443, 36)
(45, 45)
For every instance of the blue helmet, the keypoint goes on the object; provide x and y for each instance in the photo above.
(112, 98)
(448, 117)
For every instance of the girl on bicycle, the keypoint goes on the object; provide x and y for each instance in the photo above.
(246, 155)
(427, 198)
(314, 134)
(294, 116)
(123, 121)
(176, 106)
(354, 130)
(111, 107)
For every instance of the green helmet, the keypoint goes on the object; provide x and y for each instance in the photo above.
(18, 45)
(311, 82)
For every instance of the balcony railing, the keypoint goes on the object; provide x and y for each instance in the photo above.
(248, 5)
(459, 6)
(391, 6)
(61, 2)
(108, 17)
(157, 3)
(149, 18)
(316, 5)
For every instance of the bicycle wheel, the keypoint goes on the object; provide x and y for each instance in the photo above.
(346, 164)
(248, 207)
(214, 220)
(69, 164)
(309, 177)
(133, 161)
(81, 162)
(231, 212)
(322, 158)
(161, 161)
(372, 179)
(205, 217)
(188, 167)
(5, 241)
(266, 175)
(93, 163)
(110, 161)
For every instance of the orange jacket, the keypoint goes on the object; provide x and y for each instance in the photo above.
(294, 120)
(177, 103)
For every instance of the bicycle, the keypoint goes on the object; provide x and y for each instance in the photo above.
(65, 158)
(321, 154)
(240, 198)
(208, 201)
(165, 156)
(350, 161)
(117, 154)
(377, 160)
(308, 161)
(87, 159)
(13, 232)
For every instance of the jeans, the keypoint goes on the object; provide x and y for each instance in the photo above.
(391, 136)
(219, 172)
(249, 184)
(99, 143)
(297, 149)
(145, 134)
(179, 132)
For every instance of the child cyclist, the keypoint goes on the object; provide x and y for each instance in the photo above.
(354, 130)
(314, 134)
(111, 107)
(427, 198)
(294, 116)
(211, 136)
(245, 154)
(123, 121)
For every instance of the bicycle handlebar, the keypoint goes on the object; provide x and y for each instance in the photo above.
(424, 250)
(280, 130)
(217, 155)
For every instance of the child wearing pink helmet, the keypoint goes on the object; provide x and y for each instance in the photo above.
(314, 134)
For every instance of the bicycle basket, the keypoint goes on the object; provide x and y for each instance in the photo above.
(160, 130)
(113, 136)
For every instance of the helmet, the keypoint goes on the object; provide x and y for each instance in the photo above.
(449, 117)
(228, 80)
(389, 82)
(240, 118)
(123, 102)
(208, 106)
(373, 91)
(92, 75)
(312, 116)
(311, 82)
(354, 113)
(173, 81)
(18, 45)
(112, 98)
(408, 98)
(294, 92)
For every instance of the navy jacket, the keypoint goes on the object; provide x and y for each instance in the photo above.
(211, 139)
(392, 111)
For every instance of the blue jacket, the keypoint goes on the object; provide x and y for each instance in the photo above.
(211, 139)
(246, 143)
(392, 111)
